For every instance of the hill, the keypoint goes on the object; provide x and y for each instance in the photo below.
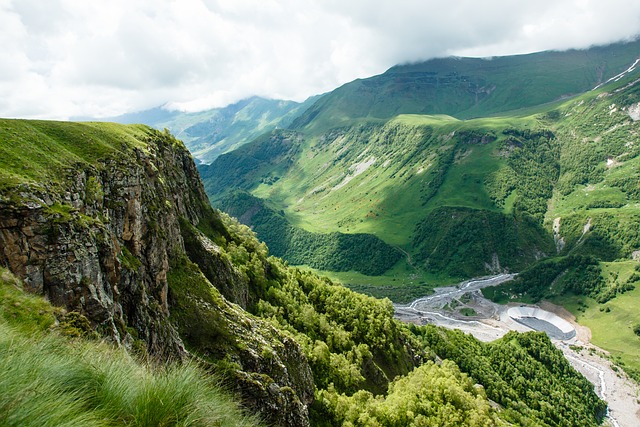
(470, 87)
(460, 198)
(111, 224)
(209, 133)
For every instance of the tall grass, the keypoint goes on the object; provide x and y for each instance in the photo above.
(46, 381)
(49, 380)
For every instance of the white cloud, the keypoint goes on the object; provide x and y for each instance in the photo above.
(62, 58)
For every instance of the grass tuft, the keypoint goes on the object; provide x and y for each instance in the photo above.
(50, 380)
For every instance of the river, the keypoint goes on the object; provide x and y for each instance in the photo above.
(488, 321)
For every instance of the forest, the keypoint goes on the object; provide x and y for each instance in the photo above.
(369, 369)
(364, 253)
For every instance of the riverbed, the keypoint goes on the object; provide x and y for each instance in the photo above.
(464, 307)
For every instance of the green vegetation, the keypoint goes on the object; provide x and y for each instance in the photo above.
(51, 380)
(206, 331)
(602, 296)
(579, 275)
(524, 373)
(431, 395)
(59, 147)
(351, 340)
(460, 241)
(208, 134)
(460, 198)
(612, 323)
(467, 311)
(402, 284)
(300, 334)
(469, 87)
(363, 360)
(34, 152)
(363, 253)
(390, 181)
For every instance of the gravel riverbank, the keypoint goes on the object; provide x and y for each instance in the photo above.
(489, 321)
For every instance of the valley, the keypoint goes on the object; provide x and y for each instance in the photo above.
(490, 321)
(109, 226)
(462, 198)
(546, 188)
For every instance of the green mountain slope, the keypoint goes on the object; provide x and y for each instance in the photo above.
(459, 198)
(112, 225)
(391, 180)
(471, 87)
(210, 133)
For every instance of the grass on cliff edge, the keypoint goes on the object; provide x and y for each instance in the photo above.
(36, 151)
(50, 380)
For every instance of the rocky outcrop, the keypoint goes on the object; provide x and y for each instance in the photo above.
(101, 244)
(102, 241)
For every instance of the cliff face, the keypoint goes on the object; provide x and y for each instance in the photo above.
(103, 236)
(102, 246)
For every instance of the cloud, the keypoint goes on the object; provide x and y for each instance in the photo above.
(63, 58)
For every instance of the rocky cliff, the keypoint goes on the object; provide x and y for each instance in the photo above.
(111, 222)
(96, 227)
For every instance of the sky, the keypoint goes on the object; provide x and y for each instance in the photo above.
(101, 58)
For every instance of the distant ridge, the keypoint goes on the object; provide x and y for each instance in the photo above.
(472, 87)
(209, 133)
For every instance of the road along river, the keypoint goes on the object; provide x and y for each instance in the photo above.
(464, 307)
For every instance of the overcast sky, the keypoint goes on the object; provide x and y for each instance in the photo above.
(63, 58)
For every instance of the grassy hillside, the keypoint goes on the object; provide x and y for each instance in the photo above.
(470, 87)
(595, 204)
(336, 251)
(460, 197)
(58, 148)
(55, 374)
(613, 323)
(391, 180)
(291, 336)
(594, 212)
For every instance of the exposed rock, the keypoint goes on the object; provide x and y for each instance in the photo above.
(634, 111)
(103, 245)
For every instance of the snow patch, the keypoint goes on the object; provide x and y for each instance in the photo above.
(558, 239)
(542, 320)
(585, 229)
(611, 162)
(621, 75)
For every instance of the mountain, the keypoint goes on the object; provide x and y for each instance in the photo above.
(458, 197)
(122, 292)
(471, 87)
(210, 133)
